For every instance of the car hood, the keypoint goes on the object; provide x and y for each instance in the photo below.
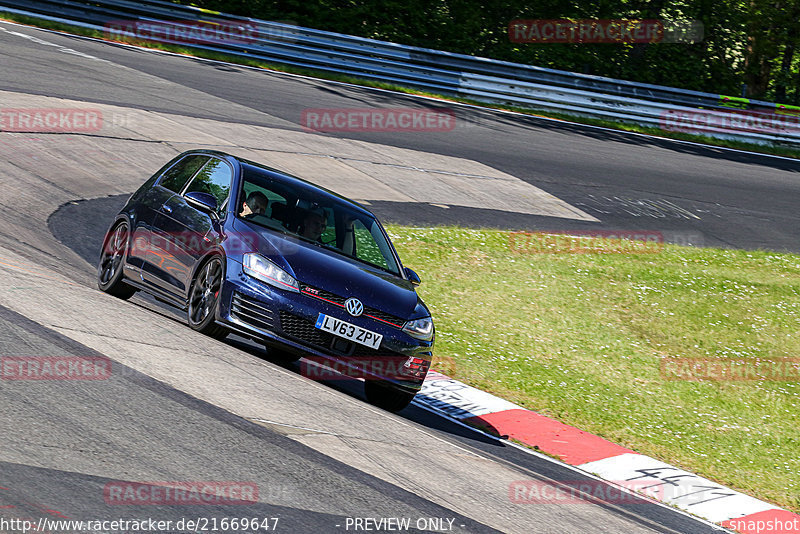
(325, 269)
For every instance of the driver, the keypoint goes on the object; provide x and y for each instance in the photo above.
(314, 223)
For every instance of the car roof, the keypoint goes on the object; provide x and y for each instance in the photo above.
(286, 178)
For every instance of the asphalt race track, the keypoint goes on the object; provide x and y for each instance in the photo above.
(628, 181)
(178, 406)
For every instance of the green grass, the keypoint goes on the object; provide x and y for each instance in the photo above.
(779, 150)
(580, 337)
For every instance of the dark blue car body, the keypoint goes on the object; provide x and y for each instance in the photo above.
(175, 233)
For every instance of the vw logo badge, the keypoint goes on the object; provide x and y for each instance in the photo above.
(354, 307)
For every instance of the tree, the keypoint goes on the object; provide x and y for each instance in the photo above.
(751, 42)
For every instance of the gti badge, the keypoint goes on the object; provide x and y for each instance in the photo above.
(354, 307)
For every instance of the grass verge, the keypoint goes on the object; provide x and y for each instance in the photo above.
(741, 145)
(582, 338)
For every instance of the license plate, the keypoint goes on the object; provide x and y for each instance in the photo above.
(350, 332)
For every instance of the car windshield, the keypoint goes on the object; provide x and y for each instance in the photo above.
(315, 217)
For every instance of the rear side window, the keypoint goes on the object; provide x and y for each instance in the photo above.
(214, 179)
(177, 175)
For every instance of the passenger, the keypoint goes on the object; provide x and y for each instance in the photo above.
(256, 204)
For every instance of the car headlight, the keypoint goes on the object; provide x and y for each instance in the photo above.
(262, 269)
(420, 328)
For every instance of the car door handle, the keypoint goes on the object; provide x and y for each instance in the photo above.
(166, 208)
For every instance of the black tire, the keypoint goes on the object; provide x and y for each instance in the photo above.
(204, 298)
(112, 263)
(387, 397)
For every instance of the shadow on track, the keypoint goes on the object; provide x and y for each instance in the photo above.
(81, 226)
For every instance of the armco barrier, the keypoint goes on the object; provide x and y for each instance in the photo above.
(472, 77)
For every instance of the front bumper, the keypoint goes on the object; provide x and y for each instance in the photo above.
(286, 319)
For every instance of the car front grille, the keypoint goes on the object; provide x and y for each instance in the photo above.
(304, 330)
(252, 312)
(338, 300)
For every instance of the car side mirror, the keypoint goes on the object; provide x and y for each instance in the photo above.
(412, 277)
(202, 201)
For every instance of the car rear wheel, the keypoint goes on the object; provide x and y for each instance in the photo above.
(387, 397)
(204, 297)
(112, 261)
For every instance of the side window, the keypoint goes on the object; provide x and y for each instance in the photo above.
(177, 175)
(273, 199)
(215, 179)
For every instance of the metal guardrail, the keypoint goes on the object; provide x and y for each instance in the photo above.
(432, 70)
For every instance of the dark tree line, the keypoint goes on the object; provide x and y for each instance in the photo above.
(746, 43)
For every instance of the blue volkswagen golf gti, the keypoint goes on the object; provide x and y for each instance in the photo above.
(248, 249)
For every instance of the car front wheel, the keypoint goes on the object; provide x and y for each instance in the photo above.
(387, 397)
(204, 297)
(112, 261)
